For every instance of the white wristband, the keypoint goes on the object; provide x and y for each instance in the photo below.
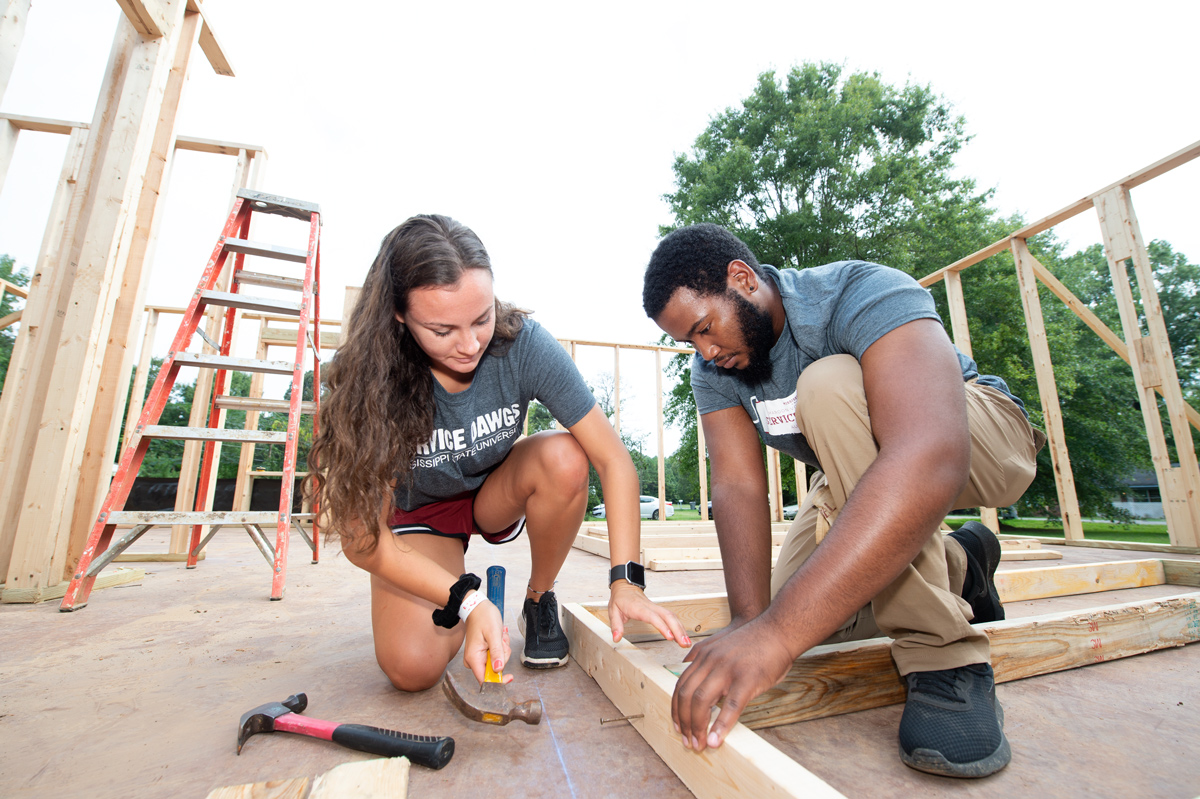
(469, 604)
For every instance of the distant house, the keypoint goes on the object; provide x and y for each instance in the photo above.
(1141, 496)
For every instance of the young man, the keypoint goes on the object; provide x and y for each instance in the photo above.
(847, 368)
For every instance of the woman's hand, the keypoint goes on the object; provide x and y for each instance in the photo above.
(486, 636)
(627, 601)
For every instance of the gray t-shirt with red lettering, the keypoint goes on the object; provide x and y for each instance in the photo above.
(475, 429)
(835, 309)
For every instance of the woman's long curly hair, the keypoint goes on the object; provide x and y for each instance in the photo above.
(378, 407)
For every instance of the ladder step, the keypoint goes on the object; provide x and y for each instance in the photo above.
(281, 206)
(247, 278)
(229, 362)
(214, 434)
(261, 404)
(192, 517)
(228, 299)
(266, 250)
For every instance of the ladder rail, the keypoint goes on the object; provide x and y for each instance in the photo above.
(287, 489)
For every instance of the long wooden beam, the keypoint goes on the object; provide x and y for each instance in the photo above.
(146, 16)
(209, 45)
(1147, 173)
(12, 31)
(744, 765)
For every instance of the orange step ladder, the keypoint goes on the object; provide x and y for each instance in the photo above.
(101, 549)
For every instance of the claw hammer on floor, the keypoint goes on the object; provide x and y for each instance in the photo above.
(490, 704)
(424, 750)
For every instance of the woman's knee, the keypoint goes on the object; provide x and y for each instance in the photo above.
(413, 668)
(563, 459)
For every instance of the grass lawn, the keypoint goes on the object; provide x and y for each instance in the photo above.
(1098, 531)
(1154, 533)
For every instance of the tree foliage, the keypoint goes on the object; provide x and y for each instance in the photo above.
(824, 166)
(8, 336)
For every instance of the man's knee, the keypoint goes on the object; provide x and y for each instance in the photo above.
(829, 383)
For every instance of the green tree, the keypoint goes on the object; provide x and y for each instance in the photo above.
(825, 166)
(8, 336)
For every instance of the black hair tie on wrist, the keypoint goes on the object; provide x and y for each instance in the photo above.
(448, 616)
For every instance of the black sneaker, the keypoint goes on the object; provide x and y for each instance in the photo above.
(546, 644)
(983, 556)
(952, 724)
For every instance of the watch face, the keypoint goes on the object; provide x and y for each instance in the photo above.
(636, 574)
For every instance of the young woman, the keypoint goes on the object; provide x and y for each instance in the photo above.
(420, 449)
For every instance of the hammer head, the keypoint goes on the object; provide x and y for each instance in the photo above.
(262, 718)
(489, 702)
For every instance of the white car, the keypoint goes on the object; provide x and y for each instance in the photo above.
(649, 508)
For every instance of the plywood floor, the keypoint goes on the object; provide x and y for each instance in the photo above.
(140, 694)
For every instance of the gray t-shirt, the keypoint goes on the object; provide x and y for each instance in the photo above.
(475, 429)
(835, 309)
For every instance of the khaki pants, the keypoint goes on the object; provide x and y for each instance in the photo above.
(921, 610)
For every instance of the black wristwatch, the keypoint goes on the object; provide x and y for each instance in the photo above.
(631, 572)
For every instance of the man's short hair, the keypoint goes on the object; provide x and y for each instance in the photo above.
(696, 257)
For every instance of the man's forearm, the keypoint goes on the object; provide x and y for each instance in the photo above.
(744, 534)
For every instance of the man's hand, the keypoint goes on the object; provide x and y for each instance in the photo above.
(486, 635)
(626, 601)
(734, 624)
(737, 667)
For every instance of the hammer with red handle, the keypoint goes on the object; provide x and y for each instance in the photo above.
(424, 750)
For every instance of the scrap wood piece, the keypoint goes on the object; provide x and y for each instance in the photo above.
(843, 678)
(1018, 585)
(378, 778)
(35, 594)
(1030, 554)
(744, 765)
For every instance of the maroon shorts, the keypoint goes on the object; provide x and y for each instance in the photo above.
(452, 518)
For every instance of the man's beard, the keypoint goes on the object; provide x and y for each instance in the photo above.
(758, 332)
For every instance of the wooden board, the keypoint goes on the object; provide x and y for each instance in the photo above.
(744, 765)
(1030, 554)
(11, 596)
(379, 778)
(382, 778)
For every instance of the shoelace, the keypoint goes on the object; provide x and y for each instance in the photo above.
(947, 684)
(547, 617)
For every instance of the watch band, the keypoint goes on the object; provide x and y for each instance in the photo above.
(631, 572)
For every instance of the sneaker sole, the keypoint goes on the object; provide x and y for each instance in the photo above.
(539, 663)
(932, 762)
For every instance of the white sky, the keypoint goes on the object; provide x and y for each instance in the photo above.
(551, 128)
